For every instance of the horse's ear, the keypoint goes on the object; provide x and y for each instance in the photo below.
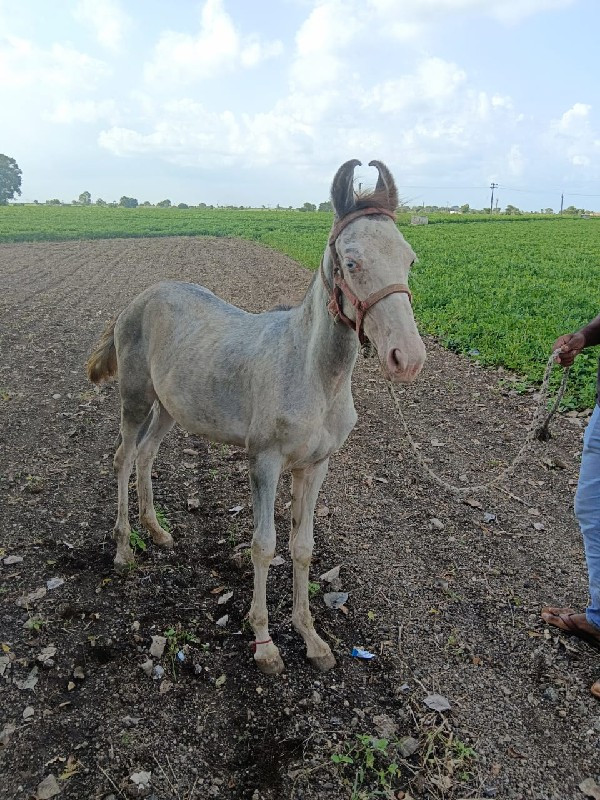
(385, 184)
(342, 188)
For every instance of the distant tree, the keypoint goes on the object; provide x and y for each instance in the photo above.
(572, 210)
(128, 202)
(101, 202)
(113, 204)
(465, 208)
(85, 199)
(548, 211)
(512, 210)
(146, 203)
(308, 207)
(55, 202)
(326, 206)
(10, 179)
(182, 205)
(164, 204)
(202, 205)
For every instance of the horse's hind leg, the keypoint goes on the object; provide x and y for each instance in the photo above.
(132, 419)
(160, 425)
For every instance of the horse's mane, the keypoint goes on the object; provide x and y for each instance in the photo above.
(371, 199)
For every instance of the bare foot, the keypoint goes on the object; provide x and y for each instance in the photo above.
(573, 622)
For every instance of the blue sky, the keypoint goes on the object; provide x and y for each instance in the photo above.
(258, 102)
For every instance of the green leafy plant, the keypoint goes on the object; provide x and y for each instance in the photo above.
(136, 541)
(369, 766)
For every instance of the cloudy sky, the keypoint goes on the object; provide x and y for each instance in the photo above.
(257, 102)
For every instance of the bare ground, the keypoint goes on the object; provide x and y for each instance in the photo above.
(450, 607)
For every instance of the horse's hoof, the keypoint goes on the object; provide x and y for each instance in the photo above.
(162, 539)
(123, 564)
(323, 663)
(271, 666)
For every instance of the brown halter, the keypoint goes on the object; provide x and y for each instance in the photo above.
(340, 287)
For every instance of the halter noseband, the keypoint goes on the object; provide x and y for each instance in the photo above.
(340, 287)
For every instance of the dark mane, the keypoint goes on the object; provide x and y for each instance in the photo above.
(371, 199)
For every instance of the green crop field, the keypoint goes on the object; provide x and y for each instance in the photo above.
(502, 290)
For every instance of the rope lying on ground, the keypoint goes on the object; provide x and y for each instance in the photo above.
(535, 430)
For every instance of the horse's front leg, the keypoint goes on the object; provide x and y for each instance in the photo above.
(264, 476)
(305, 489)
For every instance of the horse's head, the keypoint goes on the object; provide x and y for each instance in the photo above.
(369, 262)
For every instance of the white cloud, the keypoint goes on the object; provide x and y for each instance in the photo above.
(573, 138)
(405, 19)
(107, 20)
(181, 58)
(66, 112)
(58, 68)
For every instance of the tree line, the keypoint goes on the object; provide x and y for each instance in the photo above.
(10, 187)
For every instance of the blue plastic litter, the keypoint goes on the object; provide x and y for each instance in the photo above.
(358, 652)
(181, 655)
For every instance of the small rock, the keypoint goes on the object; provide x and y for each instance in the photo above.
(488, 517)
(590, 788)
(539, 526)
(46, 656)
(222, 621)
(193, 503)
(6, 732)
(331, 575)
(147, 666)
(335, 599)
(277, 561)
(130, 722)
(158, 672)
(436, 523)
(224, 598)
(28, 599)
(316, 697)
(30, 681)
(385, 726)
(47, 788)
(551, 694)
(157, 648)
(437, 702)
(10, 560)
(28, 712)
(322, 511)
(79, 673)
(141, 778)
(407, 746)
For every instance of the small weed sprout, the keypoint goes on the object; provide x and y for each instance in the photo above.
(162, 518)
(136, 541)
(370, 762)
(313, 588)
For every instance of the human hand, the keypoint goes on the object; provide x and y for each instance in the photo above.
(570, 345)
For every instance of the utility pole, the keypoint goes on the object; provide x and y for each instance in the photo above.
(492, 187)
(562, 197)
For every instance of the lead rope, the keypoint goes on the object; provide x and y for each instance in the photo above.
(534, 431)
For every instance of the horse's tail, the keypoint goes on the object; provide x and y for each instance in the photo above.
(102, 364)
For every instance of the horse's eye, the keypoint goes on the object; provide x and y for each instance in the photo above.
(351, 265)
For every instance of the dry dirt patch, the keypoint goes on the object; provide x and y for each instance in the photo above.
(448, 607)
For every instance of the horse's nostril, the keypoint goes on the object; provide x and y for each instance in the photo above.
(395, 360)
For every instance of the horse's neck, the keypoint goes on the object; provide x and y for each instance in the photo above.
(332, 347)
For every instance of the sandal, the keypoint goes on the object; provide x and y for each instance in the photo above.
(565, 620)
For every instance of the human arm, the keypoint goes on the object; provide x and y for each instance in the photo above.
(571, 344)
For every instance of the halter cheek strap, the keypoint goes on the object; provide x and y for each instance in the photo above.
(341, 289)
